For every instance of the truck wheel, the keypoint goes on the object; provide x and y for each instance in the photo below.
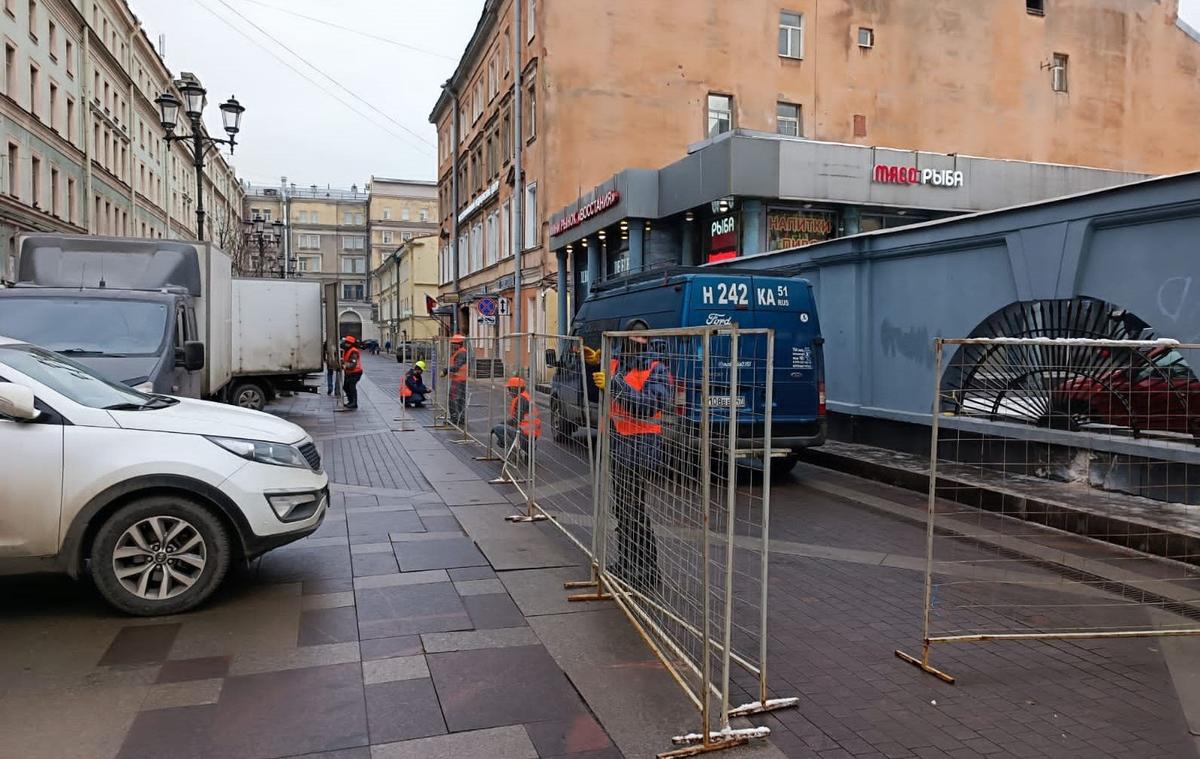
(159, 555)
(249, 395)
(782, 467)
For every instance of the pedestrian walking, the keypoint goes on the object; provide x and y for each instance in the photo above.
(414, 390)
(456, 401)
(351, 370)
(638, 386)
(387, 346)
(522, 422)
(333, 365)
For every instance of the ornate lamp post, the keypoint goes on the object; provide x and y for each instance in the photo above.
(194, 100)
(257, 232)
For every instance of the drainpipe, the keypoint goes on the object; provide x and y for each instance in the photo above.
(88, 147)
(454, 130)
(518, 184)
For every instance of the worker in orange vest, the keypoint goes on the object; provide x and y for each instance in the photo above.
(522, 418)
(456, 400)
(351, 370)
(638, 386)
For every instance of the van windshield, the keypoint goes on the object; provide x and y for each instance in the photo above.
(87, 326)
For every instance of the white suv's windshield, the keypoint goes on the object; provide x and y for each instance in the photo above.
(86, 326)
(72, 380)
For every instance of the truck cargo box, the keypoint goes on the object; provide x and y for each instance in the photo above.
(276, 327)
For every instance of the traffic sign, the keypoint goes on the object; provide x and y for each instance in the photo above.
(487, 320)
(486, 306)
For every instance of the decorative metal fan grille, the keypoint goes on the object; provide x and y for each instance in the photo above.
(1023, 382)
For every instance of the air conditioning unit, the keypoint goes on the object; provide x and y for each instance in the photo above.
(1058, 78)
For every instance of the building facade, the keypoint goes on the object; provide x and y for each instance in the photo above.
(1097, 83)
(400, 285)
(84, 148)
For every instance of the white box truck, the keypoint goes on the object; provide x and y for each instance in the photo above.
(165, 316)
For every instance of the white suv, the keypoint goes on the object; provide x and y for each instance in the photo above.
(153, 496)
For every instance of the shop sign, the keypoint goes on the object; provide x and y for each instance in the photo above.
(585, 212)
(475, 204)
(795, 229)
(947, 178)
(723, 239)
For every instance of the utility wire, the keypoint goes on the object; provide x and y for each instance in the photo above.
(341, 86)
(360, 33)
(311, 81)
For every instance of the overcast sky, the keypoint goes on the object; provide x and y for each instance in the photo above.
(295, 127)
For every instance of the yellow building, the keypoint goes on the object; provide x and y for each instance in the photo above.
(399, 286)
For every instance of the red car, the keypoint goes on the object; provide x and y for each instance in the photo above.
(1158, 391)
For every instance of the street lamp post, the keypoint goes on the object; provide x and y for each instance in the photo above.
(194, 100)
(257, 232)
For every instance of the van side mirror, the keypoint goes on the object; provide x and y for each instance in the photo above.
(551, 357)
(190, 356)
(818, 342)
(16, 402)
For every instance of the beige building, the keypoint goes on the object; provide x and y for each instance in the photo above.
(84, 148)
(400, 285)
(1101, 83)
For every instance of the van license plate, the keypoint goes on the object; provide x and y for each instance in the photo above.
(722, 401)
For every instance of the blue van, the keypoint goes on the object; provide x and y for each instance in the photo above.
(699, 297)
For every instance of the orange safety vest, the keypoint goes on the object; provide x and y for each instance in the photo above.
(531, 424)
(357, 354)
(459, 374)
(624, 422)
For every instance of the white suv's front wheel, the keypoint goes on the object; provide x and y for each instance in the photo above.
(159, 555)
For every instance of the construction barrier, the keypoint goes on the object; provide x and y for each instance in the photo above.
(1111, 417)
(682, 508)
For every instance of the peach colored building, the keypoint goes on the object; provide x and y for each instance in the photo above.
(625, 84)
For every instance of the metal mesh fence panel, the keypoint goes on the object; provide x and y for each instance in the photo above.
(1063, 487)
(683, 503)
(439, 375)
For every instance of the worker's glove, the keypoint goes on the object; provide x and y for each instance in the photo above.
(599, 379)
(591, 356)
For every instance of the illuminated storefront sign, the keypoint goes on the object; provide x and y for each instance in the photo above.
(947, 178)
(793, 229)
(722, 239)
(575, 218)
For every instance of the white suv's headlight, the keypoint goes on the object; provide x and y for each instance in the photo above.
(263, 452)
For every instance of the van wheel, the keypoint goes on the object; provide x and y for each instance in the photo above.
(249, 395)
(782, 467)
(563, 429)
(159, 555)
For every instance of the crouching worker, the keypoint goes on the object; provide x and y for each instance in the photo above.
(414, 390)
(522, 420)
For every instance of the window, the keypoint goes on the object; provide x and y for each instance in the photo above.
(462, 254)
(406, 236)
(54, 191)
(35, 179)
(316, 217)
(531, 107)
(493, 81)
(866, 37)
(1058, 71)
(70, 130)
(14, 187)
(10, 71)
(53, 106)
(353, 242)
(491, 158)
(387, 213)
(347, 218)
(52, 40)
(507, 53)
(476, 247)
(70, 56)
(787, 119)
(530, 20)
(352, 292)
(424, 214)
(1035, 7)
(404, 214)
(491, 243)
(506, 137)
(791, 35)
(387, 238)
(303, 217)
(10, 7)
(358, 219)
(531, 215)
(33, 20)
(354, 265)
(70, 199)
(720, 114)
(309, 242)
(34, 84)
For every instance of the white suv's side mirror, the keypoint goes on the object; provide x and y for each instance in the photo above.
(16, 402)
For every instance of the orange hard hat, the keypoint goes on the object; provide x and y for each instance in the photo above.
(350, 339)
(515, 383)
(458, 339)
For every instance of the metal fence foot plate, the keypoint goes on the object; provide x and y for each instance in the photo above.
(925, 667)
